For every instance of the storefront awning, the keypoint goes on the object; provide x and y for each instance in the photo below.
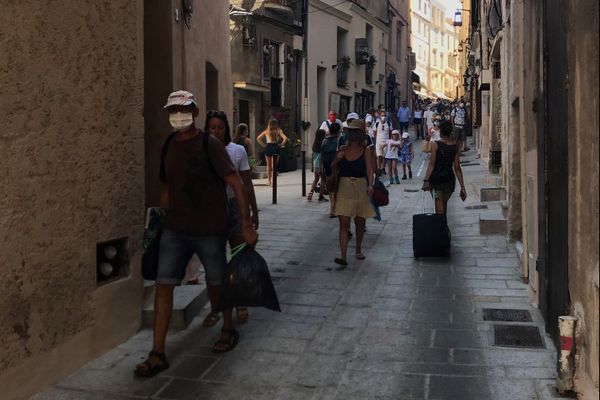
(422, 94)
(414, 77)
(251, 86)
(441, 95)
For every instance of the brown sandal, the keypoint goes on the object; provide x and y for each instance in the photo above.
(360, 255)
(211, 319)
(147, 369)
(234, 338)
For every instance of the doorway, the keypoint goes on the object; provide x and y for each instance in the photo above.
(212, 87)
(244, 112)
(554, 200)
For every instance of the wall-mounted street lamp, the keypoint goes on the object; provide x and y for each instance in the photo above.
(458, 16)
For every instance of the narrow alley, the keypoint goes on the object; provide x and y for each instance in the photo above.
(388, 327)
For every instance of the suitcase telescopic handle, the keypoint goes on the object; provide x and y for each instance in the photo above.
(423, 200)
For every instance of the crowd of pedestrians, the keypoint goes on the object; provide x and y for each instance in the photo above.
(208, 196)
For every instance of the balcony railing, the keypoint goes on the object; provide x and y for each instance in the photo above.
(342, 75)
(279, 6)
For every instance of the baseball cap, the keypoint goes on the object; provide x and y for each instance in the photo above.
(405, 135)
(356, 124)
(181, 98)
(395, 132)
(352, 115)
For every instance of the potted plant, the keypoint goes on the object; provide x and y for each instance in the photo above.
(345, 62)
(288, 160)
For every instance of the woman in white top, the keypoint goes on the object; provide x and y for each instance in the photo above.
(217, 125)
(418, 121)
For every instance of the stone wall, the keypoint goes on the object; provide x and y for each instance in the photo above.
(177, 57)
(582, 48)
(72, 164)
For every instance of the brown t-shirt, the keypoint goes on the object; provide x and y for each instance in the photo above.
(197, 198)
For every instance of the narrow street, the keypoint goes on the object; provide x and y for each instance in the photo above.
(389, 327)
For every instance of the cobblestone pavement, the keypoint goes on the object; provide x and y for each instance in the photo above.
(388, 327)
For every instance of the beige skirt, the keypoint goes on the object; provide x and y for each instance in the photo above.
(352, 200)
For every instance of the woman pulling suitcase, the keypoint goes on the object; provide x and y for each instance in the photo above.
(443, 169)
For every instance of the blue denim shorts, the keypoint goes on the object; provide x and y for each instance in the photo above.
(177, 249)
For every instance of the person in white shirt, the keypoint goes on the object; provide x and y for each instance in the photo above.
(331, 118)
(370, 120)
(428, 116)
(382, 135)
(219, 127)
(392, 155)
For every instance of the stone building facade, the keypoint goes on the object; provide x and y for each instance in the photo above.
(347, 46)
(72, 151)
(266, 55)
(435, 43)
(535, 93)
(400, 56)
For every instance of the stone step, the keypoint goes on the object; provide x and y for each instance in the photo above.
(492, 193)
(492, 223)
(188, 301)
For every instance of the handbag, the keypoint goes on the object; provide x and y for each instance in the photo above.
(381, 196)
(426, 146)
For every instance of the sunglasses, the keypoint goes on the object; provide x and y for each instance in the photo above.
(213, 113)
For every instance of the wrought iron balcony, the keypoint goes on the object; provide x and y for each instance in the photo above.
(279, 6)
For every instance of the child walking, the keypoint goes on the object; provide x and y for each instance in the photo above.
(391, 156)
(407, 153)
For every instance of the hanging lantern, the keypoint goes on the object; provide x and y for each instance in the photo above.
(457, 18)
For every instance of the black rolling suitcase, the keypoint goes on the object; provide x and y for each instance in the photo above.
(431, 235)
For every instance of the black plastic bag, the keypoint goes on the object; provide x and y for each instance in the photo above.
(247, 283)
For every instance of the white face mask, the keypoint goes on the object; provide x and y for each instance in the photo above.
(382, 118)
(181, 121)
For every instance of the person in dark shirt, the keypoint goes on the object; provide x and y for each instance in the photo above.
(194, 169)
(443, 169)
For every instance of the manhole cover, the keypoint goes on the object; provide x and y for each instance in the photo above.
(292, 263)
(518, 336)
(477, 207)
(508, 315)
(411, 190)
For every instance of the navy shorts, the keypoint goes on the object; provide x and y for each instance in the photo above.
(177, 249)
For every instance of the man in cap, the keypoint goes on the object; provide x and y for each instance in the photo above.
(194, 169)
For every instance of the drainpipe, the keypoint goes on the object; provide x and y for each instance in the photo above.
(566, 361)
(522, 144)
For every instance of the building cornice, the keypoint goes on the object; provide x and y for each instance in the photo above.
(331, 10)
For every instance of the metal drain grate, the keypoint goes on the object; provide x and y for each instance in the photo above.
(468, 164)
(411, 190)
(508, 315)
(518, 336)
(477, 207)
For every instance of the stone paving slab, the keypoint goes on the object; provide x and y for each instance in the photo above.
(389, 327)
